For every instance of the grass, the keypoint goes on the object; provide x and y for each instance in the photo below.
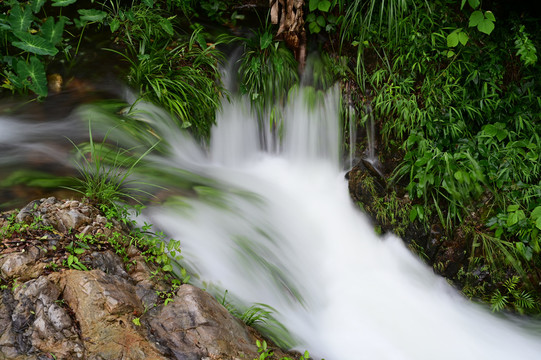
(106, 173)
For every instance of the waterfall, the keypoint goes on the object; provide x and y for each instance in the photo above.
(280, 229)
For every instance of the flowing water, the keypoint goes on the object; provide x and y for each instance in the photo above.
(280, 229)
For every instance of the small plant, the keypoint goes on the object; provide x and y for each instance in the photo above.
(105, 172)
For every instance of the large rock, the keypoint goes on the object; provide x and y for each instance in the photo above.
(104, 306)
(194, 326)
(34, 323)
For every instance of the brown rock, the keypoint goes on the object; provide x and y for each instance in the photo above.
(22, 265)
(105, 306)
(195, 326)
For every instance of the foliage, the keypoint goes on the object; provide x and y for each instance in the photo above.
(466, 124)
(105, 172)
(525, 47)
(266, 353)
(181, 77)
(322, 16)
(267, 71)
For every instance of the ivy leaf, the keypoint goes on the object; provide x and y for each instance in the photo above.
(490, 16)
(452, 39)
(475, 18)
(463, 38)
(312, 5)
(34, 44)
(536, 213)
(473, 3)
(33, 75)
(63, 2)
(92, 15)
(321, 21)
(52, 32)
(486, 26)
(20, 20)
(37, 5)
(324, 5)
(314, 28)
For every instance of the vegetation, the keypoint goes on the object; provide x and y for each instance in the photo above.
(454, 87)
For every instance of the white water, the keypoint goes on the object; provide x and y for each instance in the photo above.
(279, 225)
(281, 230)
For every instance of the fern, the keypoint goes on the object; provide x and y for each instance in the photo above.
(498, 302)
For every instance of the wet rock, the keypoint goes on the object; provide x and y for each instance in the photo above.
(193, 327)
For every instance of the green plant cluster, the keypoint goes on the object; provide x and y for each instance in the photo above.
(466, 122)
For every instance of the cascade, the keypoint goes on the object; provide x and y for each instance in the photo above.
(279, 228)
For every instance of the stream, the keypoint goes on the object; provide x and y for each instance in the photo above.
(279, 228)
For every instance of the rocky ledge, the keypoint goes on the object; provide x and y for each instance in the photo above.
(68, 292)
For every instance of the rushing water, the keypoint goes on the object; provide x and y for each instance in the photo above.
(280, 229)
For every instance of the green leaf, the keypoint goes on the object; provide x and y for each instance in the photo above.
(149, 3)
(475, 18)
(473, 3)
(321, 21)
(167, 267)
(512, 219)
(167, 26)
(324, 5)
(52, 32)
(311, 17)
(490, 16)
(37, 5)
(63, 2)
(92, 15)
(265, 40)
(413, 214)
(79, 251)
(463, 37)
(538, 223)
(34, 44)
(33, 75)
(20, 20)
(114, 25)
(536, 213)
(312, 5)
(486, 26)
(314, 28)
(452, 39)
(513, 208)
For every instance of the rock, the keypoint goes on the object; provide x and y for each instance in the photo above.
(73, 314)
(195, 326)
(105, 305)
(22, 265)
(35, 324)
